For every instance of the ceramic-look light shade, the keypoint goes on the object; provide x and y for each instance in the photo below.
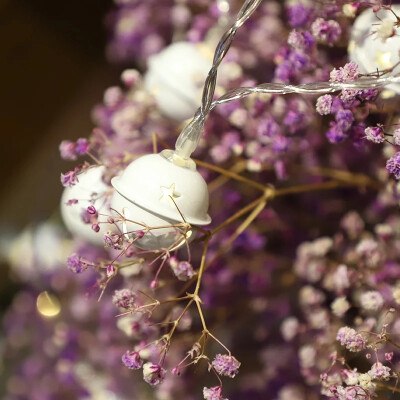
(370, 52)
(90, 183)
(156, 192)
(176, 76)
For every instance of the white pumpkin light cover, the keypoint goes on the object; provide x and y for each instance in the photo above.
(176, 76)
(375, 42)
(90, 182)
(143, 194)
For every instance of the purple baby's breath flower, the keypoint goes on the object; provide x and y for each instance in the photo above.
(327, 32)
(350, 376)
(370, 250)
(374, 134)
(132, 360)
(86, 217)
(324, 104)
(124, 298)
(139, 234)
(371, 300)
(69, 179)
(348, 73)
(92, 210)
(226, 365)
(356, 134)
(213, 393)
(307, 356)
(280, 143)
(182, 270)
(75, 263)
(113, 96)
(349, 96)
(153, 284)
(341, 278)
(340, 306)
(110, 271)
(368, 94)
(393, 165)
(380, 371)
(67, 150)
(389, 356)
(298, 15)
(348, 393)
(113, 240)
(344, 120)
(290, 328)
(349, 338)
(335, 134)
(230, 139)
(284, 71)
(301, 40)
(96, 227)
(71, 202)
(266, 129)
(153, 374)
(82, 146)
(396, 137)
(294, 119)
(130, 77)
(299, 60)
(220, 153)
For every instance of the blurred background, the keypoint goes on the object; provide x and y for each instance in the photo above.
(53, 72)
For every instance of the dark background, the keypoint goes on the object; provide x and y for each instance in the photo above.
(53, 71)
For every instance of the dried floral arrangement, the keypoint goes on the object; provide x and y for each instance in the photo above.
(293, 289)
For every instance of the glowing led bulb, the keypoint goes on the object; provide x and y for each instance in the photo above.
(156, 191)
(176, 76)
(375, 42)
(90, 183)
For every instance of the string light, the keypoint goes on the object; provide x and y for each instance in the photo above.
(139, 197)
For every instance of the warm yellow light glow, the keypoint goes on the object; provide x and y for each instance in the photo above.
(387, 94)
(383, 60)
(48, 305)
(351, 46)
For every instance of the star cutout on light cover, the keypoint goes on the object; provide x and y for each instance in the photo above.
(168, 193)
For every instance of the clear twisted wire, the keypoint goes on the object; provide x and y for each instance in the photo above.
(308, 88)
(190, 136)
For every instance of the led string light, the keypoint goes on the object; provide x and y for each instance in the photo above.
(191, 134)
(140, 190)
(159, 190)
(165, 190)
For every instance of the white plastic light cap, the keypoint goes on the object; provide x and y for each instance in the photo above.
(90, 182)
(368, 50)
(143, 194)
(176, 76)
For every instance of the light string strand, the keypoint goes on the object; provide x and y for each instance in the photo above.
(307, 88)
(190, 135)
